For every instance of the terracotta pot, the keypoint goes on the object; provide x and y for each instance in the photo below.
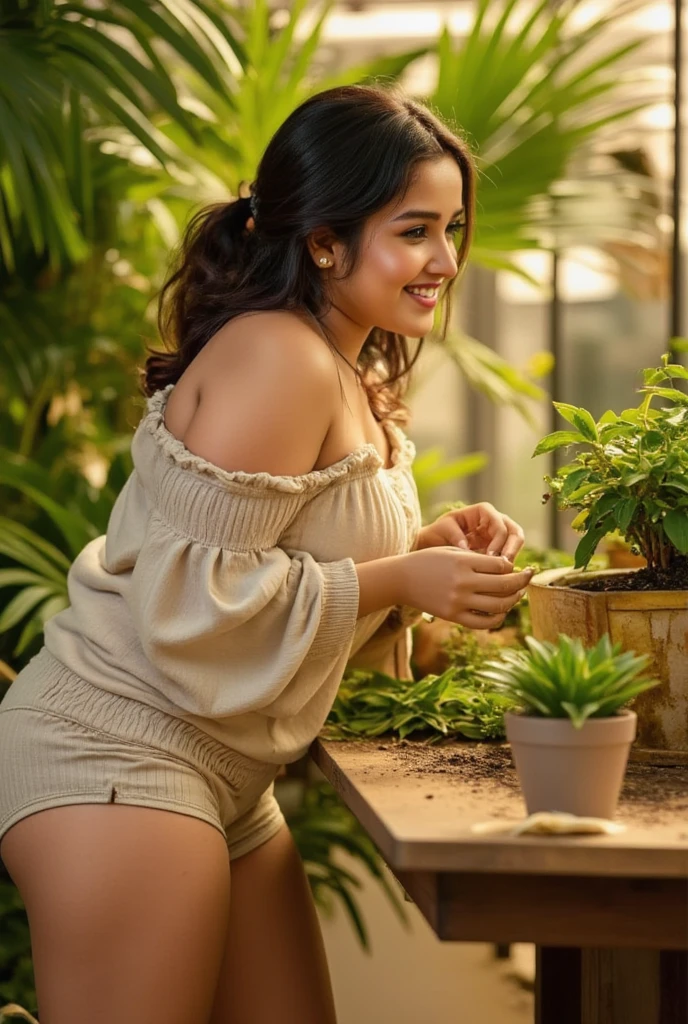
(578, 771)
(653, 622)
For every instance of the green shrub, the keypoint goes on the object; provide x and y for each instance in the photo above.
(632, 474)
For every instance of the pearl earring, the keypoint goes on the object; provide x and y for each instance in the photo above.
(324, 262)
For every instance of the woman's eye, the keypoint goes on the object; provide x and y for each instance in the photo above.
(419, 232)
(422, 232)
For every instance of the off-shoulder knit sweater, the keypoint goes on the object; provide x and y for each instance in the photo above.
(230, 599)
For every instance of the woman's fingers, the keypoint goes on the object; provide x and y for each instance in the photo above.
(473, 621)
(495, 604)
(492, 524)
(453, 533)
(493, 533)
(504, 584)
(514, 541)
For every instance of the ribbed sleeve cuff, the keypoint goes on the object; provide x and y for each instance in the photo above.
(340, 609)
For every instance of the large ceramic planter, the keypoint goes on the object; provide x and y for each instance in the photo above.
(578, 771)
(653, 622)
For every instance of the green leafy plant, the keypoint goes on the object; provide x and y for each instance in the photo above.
(632, 475)
(467, 654)
(568, 680)
(321, 825)
(453, 704)
(530, 87)
(68, 69)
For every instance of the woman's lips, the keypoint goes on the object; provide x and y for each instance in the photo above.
(426, 301)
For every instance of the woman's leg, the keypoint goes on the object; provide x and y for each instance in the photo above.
(128, 910)
(275, 967)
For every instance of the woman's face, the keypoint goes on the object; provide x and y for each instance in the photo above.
(408, 249)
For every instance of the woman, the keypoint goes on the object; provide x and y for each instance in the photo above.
(269, 531)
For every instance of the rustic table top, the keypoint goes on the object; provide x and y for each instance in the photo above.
(419, 803)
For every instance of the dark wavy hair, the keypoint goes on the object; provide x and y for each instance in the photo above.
(340, 157)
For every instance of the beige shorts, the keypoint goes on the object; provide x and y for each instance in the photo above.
(64, 741)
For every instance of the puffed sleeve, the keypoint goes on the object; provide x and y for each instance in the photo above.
(237, 631)
(233, 621)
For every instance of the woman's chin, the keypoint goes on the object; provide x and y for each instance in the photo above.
(410, 327)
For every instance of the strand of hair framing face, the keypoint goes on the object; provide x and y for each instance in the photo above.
(254, 205)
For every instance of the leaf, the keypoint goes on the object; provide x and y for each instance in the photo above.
(24, 602)
(31, 551)
(574, 480)
(676, 370)
(631, 479)
(585, 491)
(652, 439)
(579, 520)
(75, 528)
(671, 393)
(558, 439)
(580, 418)
(588, 544)
(578, 715)
(625, 510)
(586, 424)
(675, 525)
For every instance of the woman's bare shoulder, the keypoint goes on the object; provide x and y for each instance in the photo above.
(266, 389)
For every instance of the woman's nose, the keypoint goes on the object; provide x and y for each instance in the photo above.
(444, 262)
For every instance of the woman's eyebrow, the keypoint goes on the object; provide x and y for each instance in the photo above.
(426, 215)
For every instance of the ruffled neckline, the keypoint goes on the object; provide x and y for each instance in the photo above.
(365, 459)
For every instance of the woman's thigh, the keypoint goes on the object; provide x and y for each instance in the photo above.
(274, 966)
(128, 912)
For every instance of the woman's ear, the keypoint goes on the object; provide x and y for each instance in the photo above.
(324, 249)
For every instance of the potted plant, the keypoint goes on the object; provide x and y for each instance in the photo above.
(630, 474)
(571, 739)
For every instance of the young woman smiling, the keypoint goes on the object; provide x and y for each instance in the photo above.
(270, 531)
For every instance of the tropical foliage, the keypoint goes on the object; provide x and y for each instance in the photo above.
(631, 474)
(457, 703)
(323, 827)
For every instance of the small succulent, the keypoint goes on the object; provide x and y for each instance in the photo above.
(568, 680)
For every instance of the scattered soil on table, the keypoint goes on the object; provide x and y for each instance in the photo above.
(479, 762)
(673, 578)
(655, 796)
(650, 795)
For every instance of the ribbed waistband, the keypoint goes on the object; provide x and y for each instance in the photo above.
(48, 685)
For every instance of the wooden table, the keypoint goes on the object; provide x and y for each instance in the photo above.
(608, 914)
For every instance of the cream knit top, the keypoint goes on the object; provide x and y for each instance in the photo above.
(230, 599)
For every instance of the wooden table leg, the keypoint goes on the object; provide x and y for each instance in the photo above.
(558, 985)
(634, 986)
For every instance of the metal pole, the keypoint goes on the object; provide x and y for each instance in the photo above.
(555, 347)
(677, 324)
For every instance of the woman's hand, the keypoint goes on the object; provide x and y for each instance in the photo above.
(480, 528)
(473, 589)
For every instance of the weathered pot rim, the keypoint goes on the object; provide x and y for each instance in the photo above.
(541, 731)
(561, 579)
